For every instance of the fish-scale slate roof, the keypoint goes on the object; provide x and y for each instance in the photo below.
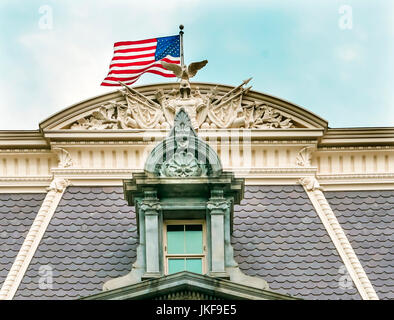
(279, 237)
(367, 218)
(91, 238)
(17, 212)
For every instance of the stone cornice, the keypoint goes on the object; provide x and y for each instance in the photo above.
(27, 179)
(220, 287)
(158, 136)
(35, 142)
(22, 139)
(126, 136)
(358, 137)
(357, 148)
(24, 151)
(349, 177)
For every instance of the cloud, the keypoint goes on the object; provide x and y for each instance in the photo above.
(349, 53)
(66, 65)
(45, 71)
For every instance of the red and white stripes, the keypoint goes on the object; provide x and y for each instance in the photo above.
(134, 58)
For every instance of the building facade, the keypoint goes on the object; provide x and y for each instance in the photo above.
(310, 211)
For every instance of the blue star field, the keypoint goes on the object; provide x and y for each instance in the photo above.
(167, 46)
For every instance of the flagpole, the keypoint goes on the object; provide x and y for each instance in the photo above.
(181, 40)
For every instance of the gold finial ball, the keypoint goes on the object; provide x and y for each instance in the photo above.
(181, 26)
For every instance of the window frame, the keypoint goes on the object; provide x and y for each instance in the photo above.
(202, 255)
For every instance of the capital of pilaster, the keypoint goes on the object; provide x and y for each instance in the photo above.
(149, 207)
(218, 206)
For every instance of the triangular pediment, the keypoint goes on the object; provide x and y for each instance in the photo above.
(188, 286)
(210, 106)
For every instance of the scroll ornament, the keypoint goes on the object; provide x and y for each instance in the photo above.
(304, 157)
(64, 158)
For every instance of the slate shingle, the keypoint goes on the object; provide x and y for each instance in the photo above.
(17, 213)
(277, 235)
(91, 238)
(367, 218)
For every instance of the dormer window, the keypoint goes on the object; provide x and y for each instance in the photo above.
(184, 246)
(184, 206)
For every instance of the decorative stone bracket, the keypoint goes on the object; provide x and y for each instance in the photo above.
(304, 157)
(64, 158)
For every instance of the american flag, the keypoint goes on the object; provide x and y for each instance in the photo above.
(134, 58)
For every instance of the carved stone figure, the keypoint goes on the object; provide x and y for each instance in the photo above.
(207, 110)
(113, 115)
(146, 112)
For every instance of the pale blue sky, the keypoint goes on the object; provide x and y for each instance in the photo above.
(294, 49)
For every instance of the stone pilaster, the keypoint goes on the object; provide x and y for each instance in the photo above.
(150, 209)
(217, 207)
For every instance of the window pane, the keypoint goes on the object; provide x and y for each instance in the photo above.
(194, 265)
(175, 239)
(176, 265)
(175, 227)
(193, 227)
(193, 238)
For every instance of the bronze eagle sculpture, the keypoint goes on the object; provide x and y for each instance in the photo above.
(185, 73)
